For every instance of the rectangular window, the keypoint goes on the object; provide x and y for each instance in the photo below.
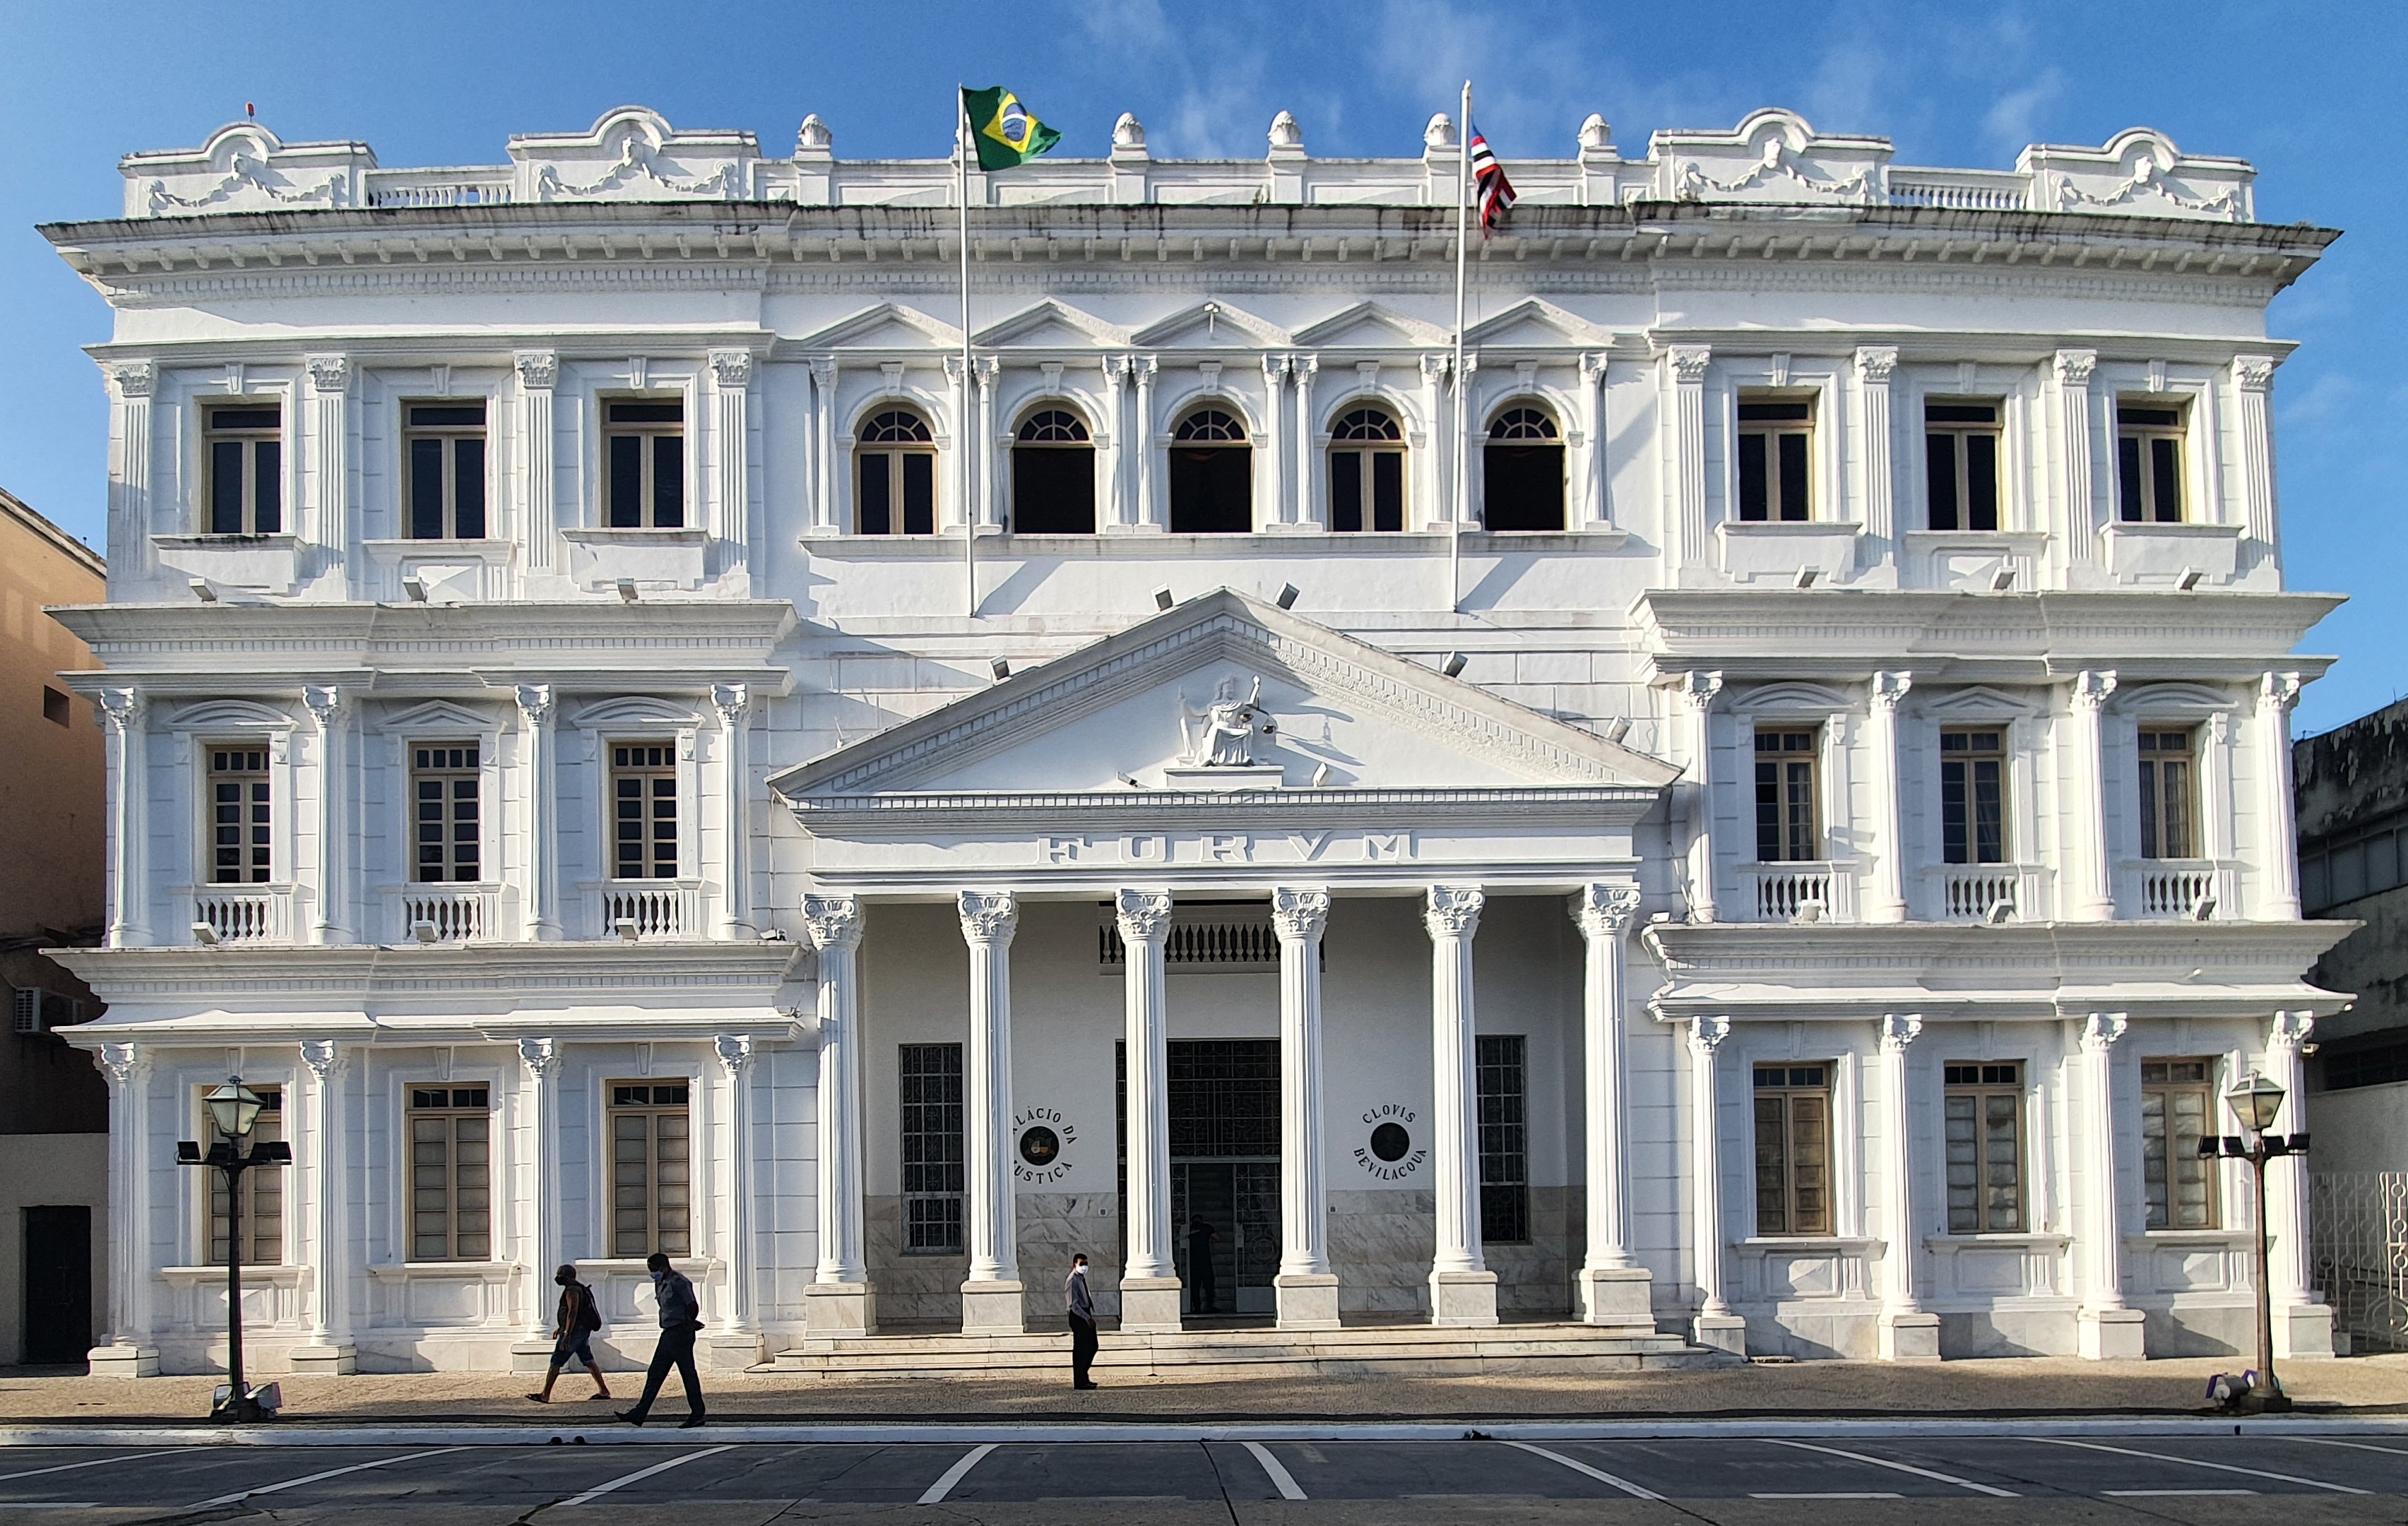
(241, 830)
(244, 450)
(2177, 1109)
(263, 1190)
(1774, 447)
(1960, 464)
(651, 1170)
(1793, 1149)
(1974, 796)
(1984, 1121)
(1786, 828)
(445, 443)
(643, 811)
(1504, 1140)
(643, 446)
(2167, 777)
(444, 818)
(451, 1174)
(56, 708)
(2148, 464)
(932, 1149)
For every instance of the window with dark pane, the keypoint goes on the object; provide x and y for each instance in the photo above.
(262, 1192)
(2177, 1110)
(895, 476)
(1504, 1139)
(445, 447)
(1983, 1124)
(651, 1170)
(1775, 448)
(2168, 794)
(643, 811)
(242, 837)
(1366, 471)
(2148, 464)
(1787, 828)
(1961, 461)
(446, 824)
(1220, 1107)
(1522, 472)
(1974, 796)
(1053, 476)
(1212, 475)
(451, 1174)
(643, 446)
(244, 447)
(933, 1182)
(1793, 1148)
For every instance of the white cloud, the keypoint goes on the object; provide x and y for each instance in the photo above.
(2013, 119)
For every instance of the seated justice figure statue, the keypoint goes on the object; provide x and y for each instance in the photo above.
(1221, 734)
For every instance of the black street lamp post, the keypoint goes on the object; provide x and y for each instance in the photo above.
(235, 1109)
(2256, 1102)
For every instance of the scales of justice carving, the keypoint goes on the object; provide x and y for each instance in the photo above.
(1223, 733)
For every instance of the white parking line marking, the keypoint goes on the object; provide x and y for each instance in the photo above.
(954, 1475)
(2197, 1462)
(70, 1467)
(241, 1495)
(642, 1474)
(1902, 1467)
(1599, 1474)
(2359, 1445)
(2170, 1494)
(1828, 1496)
(1280, 1478)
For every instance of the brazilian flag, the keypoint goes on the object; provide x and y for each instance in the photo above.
(1003, 129)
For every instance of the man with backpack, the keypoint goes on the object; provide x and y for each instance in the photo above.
(572, 1334)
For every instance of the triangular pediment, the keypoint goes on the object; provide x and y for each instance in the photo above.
(1534, 323)
(1367, 325)
(1050, 326)
(886, 327)
(1211, 325)
(1129, 715)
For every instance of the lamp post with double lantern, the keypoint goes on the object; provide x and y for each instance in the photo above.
(234, 1111)
(2256, 1102)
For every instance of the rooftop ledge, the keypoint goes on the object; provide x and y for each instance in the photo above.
(632, 155)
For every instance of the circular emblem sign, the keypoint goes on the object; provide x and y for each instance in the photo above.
(1047, 1139)
(1389, 1153)
(1390, 1141)
(1038, 1145)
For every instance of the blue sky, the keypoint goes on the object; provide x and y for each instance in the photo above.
(2308, 92)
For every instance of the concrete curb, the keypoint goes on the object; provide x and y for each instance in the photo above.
(665, 1434)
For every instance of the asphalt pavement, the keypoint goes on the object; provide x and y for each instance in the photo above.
(2204, 1474)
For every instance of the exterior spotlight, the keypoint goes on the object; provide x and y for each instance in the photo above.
(2000, 910)
(1320, 776)
(2203, 909)
(204, 934)
(1806, 576)
(1287, 595)
(625, 928)
(1162, 599)
(423, 931)
(627, 590)
(1000, 668)
(2002, 579)
(203, 591)
(2190, 580)
(415, 588)
(1453, 666)
(1618, 728)
(1129, 779)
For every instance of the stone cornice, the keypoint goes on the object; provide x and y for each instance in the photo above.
(983, 814)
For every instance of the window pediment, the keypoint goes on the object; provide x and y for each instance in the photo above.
(1977, 703)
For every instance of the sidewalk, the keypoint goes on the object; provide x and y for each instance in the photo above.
(2368, 1387)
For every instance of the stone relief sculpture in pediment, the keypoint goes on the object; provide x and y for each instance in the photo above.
(1223, 733)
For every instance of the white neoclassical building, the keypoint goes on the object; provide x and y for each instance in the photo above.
(1751, 814)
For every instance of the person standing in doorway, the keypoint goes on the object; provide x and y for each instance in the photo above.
(681, 1322)
(1083, 1323)
(572, 1334)
(1204, 1295)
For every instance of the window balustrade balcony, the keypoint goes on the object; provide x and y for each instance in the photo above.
(1804, 890)
(239, 913)
(445, 913)
(1986, 892)
(2178, 890)
(646, 908)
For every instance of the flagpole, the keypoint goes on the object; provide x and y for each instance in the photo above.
(1462, 403)
(964, 431)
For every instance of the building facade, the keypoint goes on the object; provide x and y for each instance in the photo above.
(1756, 805)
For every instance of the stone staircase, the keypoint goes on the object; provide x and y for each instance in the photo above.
(1520, 1350)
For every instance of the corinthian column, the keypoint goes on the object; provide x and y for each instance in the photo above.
(1698, 691)
(2302, 1320)
(1306, 1288)
(732, 701)
(2093, 895)
(840, 1300)
(1889, 866)
(2073, 370)
(326, 703)
(540, 894)
(2280, 852)
(1462, 1291)
(731, 373)
(1691, 553)
(1149, 1279)
(1612, 1292)
(1907, 1333)
(329, 1349)
(740, 1335)
(538, 483)
(129, 817)
(1716, 1325)
(2105, 1327)
(540, 1115)
(126, 1352)
(990, 1298)
(330, 384)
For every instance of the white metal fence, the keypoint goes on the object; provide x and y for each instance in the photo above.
(2359, 1228)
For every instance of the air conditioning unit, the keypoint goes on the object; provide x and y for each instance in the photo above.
(33, 1010)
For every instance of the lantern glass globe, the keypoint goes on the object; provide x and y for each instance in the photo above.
(2256, 1102)
(233, 1107)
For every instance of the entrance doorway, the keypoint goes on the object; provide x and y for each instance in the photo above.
(1224, 1105)
(58, 1285)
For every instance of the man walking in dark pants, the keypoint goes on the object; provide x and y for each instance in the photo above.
(1203, 1292)
(681, 1322)
(1082, 1324)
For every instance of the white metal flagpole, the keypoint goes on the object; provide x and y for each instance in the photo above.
(964, 431)
(1462, 401)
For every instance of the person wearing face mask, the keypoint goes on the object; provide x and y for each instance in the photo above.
(681, 1322)
(572, 1334)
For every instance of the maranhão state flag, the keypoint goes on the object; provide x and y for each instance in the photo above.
(1496, 191)
(1007, 133)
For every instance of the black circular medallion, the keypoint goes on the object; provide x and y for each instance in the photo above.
(1390, 1141)
(1039, 1145)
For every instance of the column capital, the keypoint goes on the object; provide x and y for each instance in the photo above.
(1274, 367)
(1452, 911)
(1603, 909)
(833, 921)
(121, 708)
(535, 701)
(1889, 688)
(1299, 912)
(324, 700)
(1116, 368)
(2100, 1029)
(2291, 1030)
(2280, 690)
(323, 1057)
(1304, 368)
(823, 371)
(734, 1051)
(1707, 1033)
(2072, 368)
(2092, 687)
(985, 368)
(1689, 363)
(1592, 365)
(1899, 1029)
(1435, 368)
(989, 915)
(1143, 367)
(1875, 363)
(123, 1061)
(2253, 373)
(1700, 688)
(732, 370)
(731, 701)
(539, 369)
(329, 375)
(132, 378)
(541, 1056)
(1143, 915)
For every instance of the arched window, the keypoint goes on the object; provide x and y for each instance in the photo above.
(1053, 476)
(1212, 476)
(1522, 471)
(1366, 471)
(895, 476)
